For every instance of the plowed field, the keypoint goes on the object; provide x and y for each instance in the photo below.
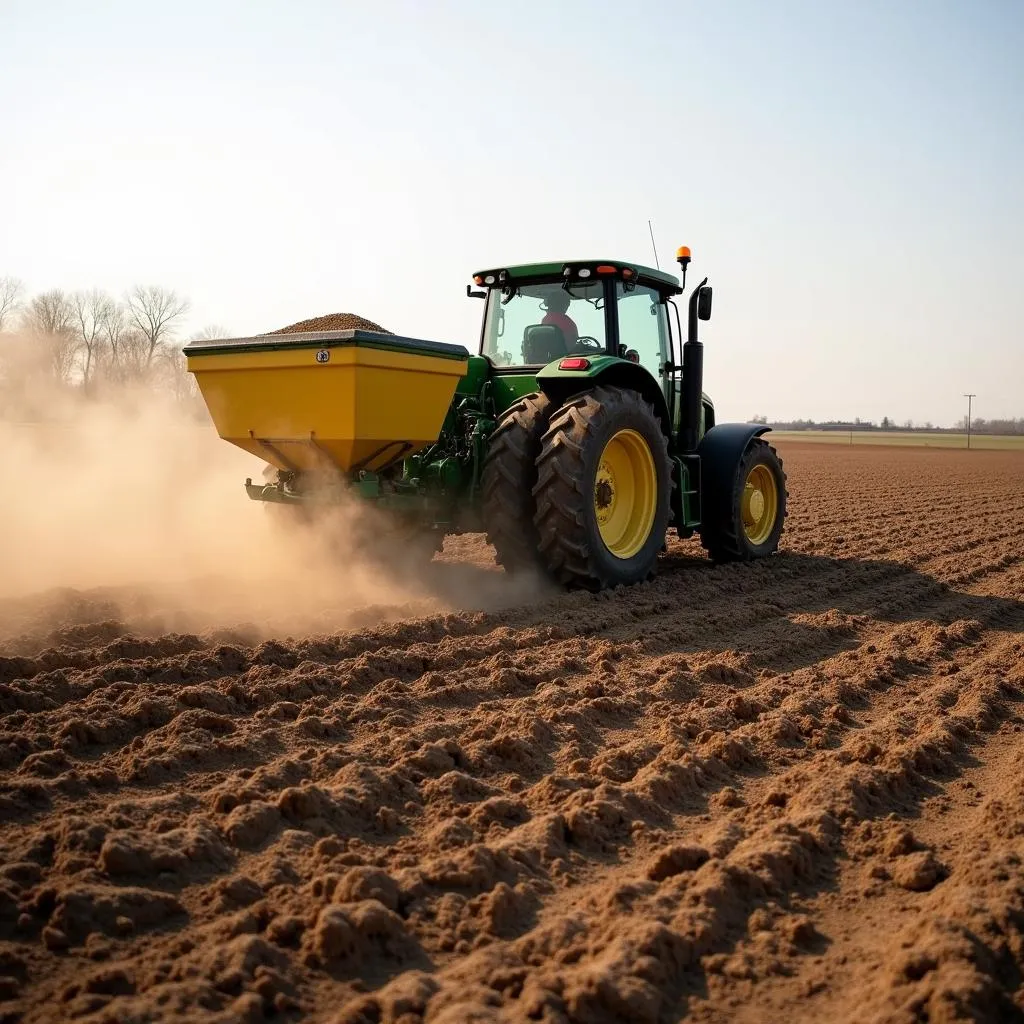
(786, 791)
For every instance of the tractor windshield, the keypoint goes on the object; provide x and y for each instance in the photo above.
(537, 323)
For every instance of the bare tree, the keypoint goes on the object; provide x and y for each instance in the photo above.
(49, 317)
(176, 377)
(209, 332)
(134, 364)
(175, 364)
(50, 313)
(92, 311)
(153, 311)
(10, 299)
(114, 328)
(124, 352)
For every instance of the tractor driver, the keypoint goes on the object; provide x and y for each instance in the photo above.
(556, 305)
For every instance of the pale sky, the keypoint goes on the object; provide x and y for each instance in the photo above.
(848, 175)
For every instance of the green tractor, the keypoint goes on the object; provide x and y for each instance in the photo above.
(575, 439)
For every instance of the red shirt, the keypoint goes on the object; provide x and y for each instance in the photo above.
(565, 324)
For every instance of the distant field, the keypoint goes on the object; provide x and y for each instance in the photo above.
(919, 439)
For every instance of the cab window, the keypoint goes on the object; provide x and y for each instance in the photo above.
(643, 327)
(538, 323)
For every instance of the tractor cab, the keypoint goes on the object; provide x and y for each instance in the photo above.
(538, 313)
(552, 322)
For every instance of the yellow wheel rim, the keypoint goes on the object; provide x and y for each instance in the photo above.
(760, 504)
(626, 493)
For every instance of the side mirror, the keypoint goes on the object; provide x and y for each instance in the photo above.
(474, 295)
(704, 303)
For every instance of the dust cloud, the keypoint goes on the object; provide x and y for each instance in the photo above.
(132, 493)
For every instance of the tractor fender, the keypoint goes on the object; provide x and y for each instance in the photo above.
(720, 451)
(606, 371)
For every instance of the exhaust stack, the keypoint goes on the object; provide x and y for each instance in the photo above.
(693, 358)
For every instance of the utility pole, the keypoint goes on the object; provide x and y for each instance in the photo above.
(969, 398)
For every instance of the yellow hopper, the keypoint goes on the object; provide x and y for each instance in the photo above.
(345, 399)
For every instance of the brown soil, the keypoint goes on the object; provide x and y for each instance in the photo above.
(783, 791)
(333, 322)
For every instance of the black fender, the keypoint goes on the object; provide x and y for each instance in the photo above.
(720, 451)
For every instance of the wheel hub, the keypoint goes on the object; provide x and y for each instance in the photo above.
(760, 506)
(755, 505)
(625, 493)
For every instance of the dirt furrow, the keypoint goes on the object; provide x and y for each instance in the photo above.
(785, 788)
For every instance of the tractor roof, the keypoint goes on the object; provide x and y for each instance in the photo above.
(530, 270)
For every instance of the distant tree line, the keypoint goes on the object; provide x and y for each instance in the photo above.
(978, 425)
(90, 343)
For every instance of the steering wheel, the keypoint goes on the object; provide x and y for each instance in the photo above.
(587, 343)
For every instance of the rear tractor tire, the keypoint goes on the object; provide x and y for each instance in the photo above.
(509, 475)
(747, 523)
(604, 483)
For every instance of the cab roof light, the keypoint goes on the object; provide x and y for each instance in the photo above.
(606, 268)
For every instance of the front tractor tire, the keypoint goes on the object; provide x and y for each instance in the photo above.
(748, 517)
(509, 475)
(603, 490)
